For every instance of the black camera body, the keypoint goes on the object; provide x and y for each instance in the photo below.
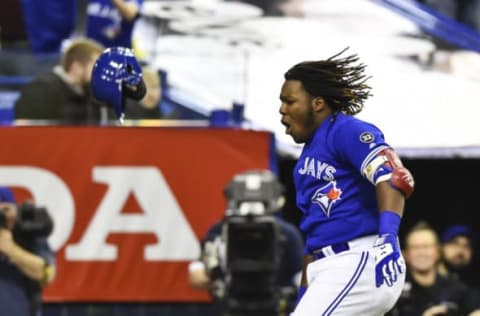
(252, 263)
(32, 222)
(253, 241)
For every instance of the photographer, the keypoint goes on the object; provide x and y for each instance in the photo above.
(251, 259)
(26, 260)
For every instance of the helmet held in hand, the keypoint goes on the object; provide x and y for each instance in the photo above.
(116, 76)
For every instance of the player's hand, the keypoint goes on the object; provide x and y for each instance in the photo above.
(389, 263)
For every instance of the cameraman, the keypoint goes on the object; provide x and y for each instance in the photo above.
(209, 272)
(26, 262)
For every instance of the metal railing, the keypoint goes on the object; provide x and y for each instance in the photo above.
(435, 23)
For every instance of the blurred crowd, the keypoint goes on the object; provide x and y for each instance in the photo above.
(33, 48)
(439, 271)
(59, 57)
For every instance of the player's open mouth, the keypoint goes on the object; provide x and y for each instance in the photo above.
(287, 127)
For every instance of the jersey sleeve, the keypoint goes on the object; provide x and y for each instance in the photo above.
(359, 143)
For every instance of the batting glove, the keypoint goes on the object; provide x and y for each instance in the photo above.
(389, 262)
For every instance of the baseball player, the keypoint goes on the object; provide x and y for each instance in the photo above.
(351, 187)
(111, 22)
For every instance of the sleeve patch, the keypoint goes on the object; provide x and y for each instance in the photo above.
(367, 137)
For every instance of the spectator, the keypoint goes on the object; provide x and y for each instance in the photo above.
(63, 95)
(209, 272)
(426, 292)
(111, 22)
(48, 23)
(26, 261)
(149, 106)
(457, 252)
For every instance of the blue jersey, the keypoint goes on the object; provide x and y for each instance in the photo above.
(106, 25)
(338, 202)
(48, 23)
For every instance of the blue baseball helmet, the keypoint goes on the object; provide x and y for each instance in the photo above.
(117, 75)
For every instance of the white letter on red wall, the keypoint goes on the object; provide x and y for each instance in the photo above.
(161, 215)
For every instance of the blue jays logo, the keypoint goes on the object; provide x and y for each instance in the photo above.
(326, 196)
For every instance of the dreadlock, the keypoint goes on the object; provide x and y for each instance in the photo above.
(338, 80)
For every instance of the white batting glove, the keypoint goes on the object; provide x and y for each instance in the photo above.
(389, 263)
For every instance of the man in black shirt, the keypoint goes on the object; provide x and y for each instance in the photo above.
(63, 96)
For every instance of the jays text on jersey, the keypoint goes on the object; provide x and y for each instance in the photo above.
(333, 190)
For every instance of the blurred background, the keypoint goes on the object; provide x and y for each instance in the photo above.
(220, 66)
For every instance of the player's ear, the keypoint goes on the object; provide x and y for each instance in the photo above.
(319, 104)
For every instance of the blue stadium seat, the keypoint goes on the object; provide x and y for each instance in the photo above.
(7, 100)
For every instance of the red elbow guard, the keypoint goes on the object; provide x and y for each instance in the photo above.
(402, 180)
(387, 166)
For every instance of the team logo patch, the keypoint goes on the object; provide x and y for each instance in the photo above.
(367, 137)
(326, 196)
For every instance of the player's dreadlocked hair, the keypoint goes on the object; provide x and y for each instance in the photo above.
(338, 80)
